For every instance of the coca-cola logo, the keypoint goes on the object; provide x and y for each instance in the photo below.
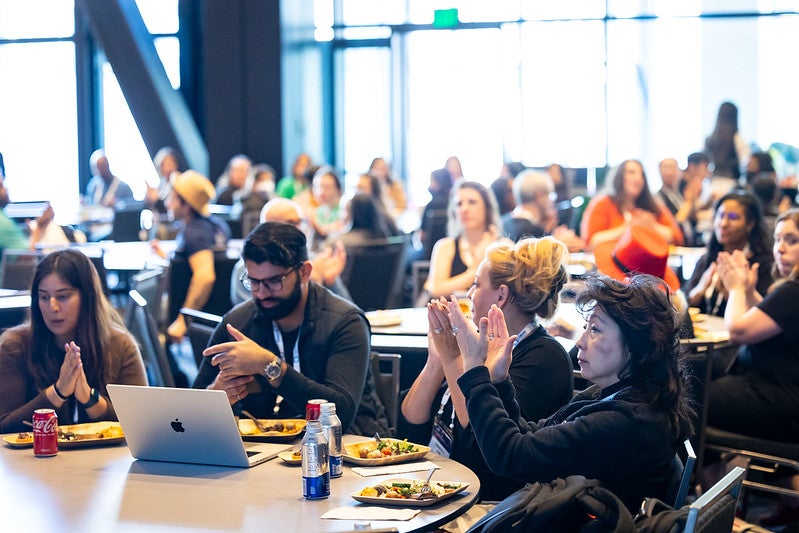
(47, 425)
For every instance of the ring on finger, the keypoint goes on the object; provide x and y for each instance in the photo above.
(491, 336)
(438, 331)
(454, 329)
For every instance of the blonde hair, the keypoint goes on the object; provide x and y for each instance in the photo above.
(533, 270)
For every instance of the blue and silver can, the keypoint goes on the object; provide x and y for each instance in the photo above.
(315, 466)
(331, 425)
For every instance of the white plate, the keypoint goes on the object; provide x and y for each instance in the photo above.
(410, 502)
(382, 319)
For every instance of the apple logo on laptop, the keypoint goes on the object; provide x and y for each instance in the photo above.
(177, 426)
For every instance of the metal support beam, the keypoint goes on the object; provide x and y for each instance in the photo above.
(158, 109)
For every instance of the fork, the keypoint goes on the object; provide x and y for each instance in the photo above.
(258, 424)
(426, 487)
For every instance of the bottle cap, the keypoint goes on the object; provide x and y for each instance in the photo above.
(328, 408)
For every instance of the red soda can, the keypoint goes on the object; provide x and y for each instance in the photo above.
(45, 433)
(313, 409)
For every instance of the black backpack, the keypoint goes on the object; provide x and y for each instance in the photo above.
(563, 505)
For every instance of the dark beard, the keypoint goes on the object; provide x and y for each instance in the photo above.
(285, 306)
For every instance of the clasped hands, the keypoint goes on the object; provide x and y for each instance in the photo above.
(454, 335)
(71, 378)
(238, 361)
(735, 271)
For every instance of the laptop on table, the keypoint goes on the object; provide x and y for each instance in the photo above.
(185, 426)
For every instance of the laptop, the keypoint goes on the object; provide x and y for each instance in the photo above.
(185, 426)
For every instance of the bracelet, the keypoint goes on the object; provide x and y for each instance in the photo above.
(94, 397)
(58, 393)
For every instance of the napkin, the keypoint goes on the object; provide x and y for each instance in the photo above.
(401, 468)
(370, 512)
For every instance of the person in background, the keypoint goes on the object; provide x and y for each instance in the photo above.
(292, 341)
(725, 146)
(760, 163)
(326, 218)
(236, 181)
(364, 222)
(328, 264)
(166, 163)
(524, 280)
(71, 346)
(393, 193)
(680, 201)
(104, 188)
(562, 185)
(637, 411)
(534, 214)
(263, 188)
(292, 185)
(453, 165)
(473, 220)
(738, 224)
(502, 188)
(629, 202)
(371, 186)
(765, 189)
(199, 235)
(760, 396)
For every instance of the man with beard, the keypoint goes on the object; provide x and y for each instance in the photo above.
(293, 341)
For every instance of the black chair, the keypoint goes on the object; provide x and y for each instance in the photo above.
(127, 222)
(767, 460)
(373, 274)
(687, 473)
(714, 511)
(387, 383)
(434, 227)
(199, 327)
(142, 326)
(420, 270)
(18, 267)
(151, 284)
(179, 276)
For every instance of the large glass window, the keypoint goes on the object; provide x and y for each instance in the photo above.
(38, 137)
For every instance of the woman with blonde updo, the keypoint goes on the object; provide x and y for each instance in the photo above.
(524, 280)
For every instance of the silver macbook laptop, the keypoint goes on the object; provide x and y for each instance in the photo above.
(185, 426)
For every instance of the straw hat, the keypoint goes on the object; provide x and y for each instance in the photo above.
(640, 250)
(196, 190)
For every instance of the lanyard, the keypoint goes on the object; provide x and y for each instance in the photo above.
(280, 347)
(444, 400)
(529, 328)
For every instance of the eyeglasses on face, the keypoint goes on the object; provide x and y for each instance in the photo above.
(274, 284)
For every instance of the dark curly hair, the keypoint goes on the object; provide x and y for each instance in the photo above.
(643, 311)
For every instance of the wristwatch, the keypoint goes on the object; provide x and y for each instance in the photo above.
(274, 369)
(94, 397)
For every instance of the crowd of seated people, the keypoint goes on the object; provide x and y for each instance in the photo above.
(492, 382)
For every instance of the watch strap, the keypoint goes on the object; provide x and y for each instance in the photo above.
(94, 397)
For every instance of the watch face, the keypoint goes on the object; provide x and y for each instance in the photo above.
(273, 370)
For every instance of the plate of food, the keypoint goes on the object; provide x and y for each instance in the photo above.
(383, 319)
(274, 430)
(408, 492)
(75, 436)
(383, 452)
(292, 457)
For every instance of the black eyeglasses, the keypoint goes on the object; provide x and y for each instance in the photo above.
(274, 284)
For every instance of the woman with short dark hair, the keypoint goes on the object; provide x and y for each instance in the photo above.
(624, 430)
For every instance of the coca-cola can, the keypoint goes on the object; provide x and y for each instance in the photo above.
(313, 409)
(45, 433)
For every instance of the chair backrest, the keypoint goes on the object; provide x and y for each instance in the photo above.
(687, 474)
(199, 327)
(18, 267)
(714, 511)
(386, 372)
(127, 222)
(142, 326)
(178, 284)
(698, 359)
(434, 226)
(373, 274)
(420, 269)
(151, 284)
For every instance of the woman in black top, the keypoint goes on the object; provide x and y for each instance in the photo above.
(524, 280)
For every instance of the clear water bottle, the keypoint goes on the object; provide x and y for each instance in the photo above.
(315, 468)
(332, 428)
